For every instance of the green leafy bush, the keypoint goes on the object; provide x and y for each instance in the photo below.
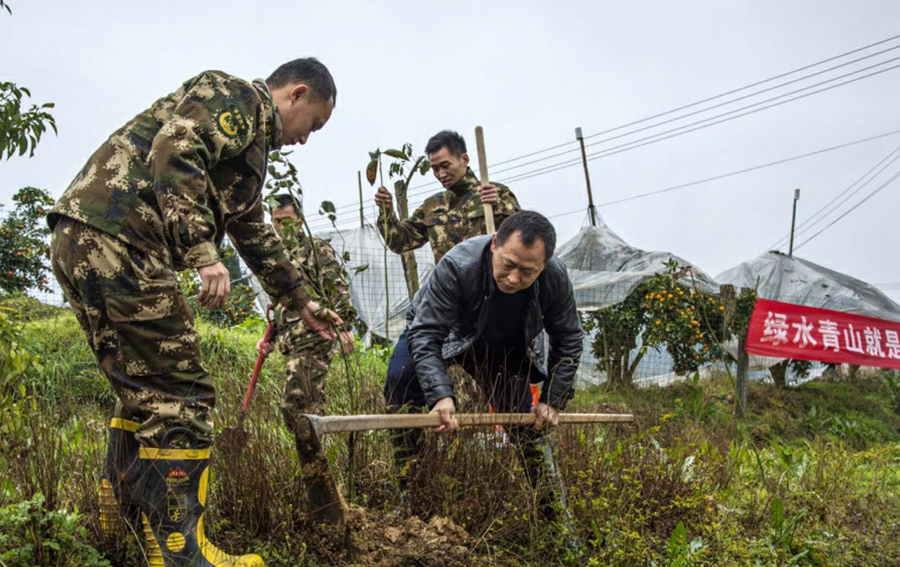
(32, 536)
(29, 309)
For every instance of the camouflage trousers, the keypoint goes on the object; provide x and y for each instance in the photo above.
(307, 358)
(141, 330)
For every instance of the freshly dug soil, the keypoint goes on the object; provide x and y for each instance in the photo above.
(388, 541)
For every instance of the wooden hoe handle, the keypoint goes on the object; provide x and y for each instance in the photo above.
(346, 423)
(483, 168)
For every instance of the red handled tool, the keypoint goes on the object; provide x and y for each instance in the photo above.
(267, 338)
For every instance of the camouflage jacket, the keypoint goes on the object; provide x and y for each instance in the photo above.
(183, 173)
(323, 275)
(445, 219)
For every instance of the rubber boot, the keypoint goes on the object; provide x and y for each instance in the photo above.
(325, 502)
(119, 513)
(172, 493)
(408, 444)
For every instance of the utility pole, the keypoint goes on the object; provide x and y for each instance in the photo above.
(794, 221)
(362, 218)
(587, 178)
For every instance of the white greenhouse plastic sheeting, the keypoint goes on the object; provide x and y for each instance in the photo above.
(795, 280)
(604, 270)
(367, 288)
(780, 277)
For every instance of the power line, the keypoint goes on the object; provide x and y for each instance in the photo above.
(691, 105)
(717, 177)
(733, 91)
(851, 209)
(850, 196)
(749, 169)
(801, 229)
(838, 196)
(674, 132)
(770, 79)
(702, 124)
(738, 172)
(692, 127)
(538, 152)
(721, 104)
(763, 91)
(576, 160)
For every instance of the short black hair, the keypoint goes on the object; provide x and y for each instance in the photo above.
(449, 139)
(309, 71)
(530, 225)
(285, 199)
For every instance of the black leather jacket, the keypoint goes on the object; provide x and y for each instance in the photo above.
(450, 312)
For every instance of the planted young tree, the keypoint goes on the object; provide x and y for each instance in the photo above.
(661, 312)
(324, 290)
(25, 253)
(397, 169)
(283, 177)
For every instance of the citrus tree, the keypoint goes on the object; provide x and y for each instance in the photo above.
(25, 251)
(663, 312)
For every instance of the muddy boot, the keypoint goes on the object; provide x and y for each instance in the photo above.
(325, 501)
(536, 452)
(172, 493)
(119, 513)
(408, 444)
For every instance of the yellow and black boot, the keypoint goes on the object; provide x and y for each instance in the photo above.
(120, 473)
(174, 487)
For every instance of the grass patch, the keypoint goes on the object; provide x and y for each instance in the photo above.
(811, 476)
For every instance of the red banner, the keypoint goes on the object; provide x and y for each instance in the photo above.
(786, 330)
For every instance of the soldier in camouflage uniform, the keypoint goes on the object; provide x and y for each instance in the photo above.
(157, 197)
(308, 356)
(445, 219)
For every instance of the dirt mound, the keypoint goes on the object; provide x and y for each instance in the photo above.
(388, 541)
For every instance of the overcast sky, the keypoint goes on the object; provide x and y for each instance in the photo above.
(529, 72)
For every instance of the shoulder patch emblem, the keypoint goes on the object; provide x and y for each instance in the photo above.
(231, 122)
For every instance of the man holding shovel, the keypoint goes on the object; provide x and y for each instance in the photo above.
(484, 309)
(158, 197)
(308, 356)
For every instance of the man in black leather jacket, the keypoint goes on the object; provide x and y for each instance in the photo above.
(484, 308)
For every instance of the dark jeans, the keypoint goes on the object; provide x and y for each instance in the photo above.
(504, 376)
